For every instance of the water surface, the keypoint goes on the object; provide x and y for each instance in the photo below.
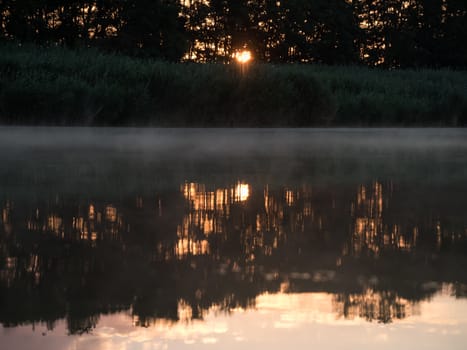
(254, 238)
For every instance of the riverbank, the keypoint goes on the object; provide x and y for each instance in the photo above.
(56, 86)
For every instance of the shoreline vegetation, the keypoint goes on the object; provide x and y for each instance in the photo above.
(57, 86)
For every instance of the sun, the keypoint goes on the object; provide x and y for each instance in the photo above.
(243, 56)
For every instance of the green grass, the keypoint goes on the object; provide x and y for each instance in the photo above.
(55, 86)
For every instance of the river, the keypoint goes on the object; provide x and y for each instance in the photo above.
(127, 238)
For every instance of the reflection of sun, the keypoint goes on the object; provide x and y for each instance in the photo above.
(242, 192)
(243, 56)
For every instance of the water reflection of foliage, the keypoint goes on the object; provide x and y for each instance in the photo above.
(78, 262)
(382, 307)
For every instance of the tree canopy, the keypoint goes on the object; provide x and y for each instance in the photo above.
(389, 33)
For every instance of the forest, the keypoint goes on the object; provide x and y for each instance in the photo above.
(390, 33)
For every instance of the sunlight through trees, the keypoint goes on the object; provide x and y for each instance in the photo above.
(394, 33)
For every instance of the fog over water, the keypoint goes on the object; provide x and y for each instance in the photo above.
(225, 141)
(276, 154)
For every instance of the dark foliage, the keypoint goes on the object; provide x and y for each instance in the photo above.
(84, 87)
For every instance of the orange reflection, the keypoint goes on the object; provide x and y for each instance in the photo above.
(111, 213)
(242, 192)
(188, 246)
(55, 224)
(369, 231)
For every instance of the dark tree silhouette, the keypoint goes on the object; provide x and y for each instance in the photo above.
(392, 33)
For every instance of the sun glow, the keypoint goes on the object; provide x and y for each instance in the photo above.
(243, 56)
(242, 192)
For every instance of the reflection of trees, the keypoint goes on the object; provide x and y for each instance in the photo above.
(384, 221)
(460, 290)
(371, 233)
(381, 306)
(175, 255)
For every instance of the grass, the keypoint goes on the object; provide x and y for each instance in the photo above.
(56, 86)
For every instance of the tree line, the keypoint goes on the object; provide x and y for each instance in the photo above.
(388, 33)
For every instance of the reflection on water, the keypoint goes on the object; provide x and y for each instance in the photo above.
(374, 250)
(258, 239)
